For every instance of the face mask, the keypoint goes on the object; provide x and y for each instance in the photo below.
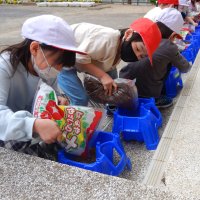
(49, 74)
(127, 53)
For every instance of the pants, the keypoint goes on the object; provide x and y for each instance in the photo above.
(71, 85)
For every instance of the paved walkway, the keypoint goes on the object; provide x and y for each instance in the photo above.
(111, 15)
(176, 162)
(182, 173)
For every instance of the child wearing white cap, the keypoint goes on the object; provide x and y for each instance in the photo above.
(48, 45)
(105, 48)
(194, 10)
(154, 12)
(184, 9)
(150, 79)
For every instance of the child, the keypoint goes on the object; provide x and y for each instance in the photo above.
(193, 9)
(105, 46)
(184, 9)
(48, 45)
(154, 13)
(150, 79)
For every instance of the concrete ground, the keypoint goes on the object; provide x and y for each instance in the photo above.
(182, 170)
(115, 16)
(26, 177)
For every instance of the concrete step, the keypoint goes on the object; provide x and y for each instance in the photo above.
(177, 159)
(29, 177)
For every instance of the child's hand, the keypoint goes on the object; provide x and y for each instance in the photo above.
(47, 129)
(63, 101)
(195, 24)
(108, 83)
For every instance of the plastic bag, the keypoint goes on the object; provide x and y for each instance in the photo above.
(126, 95)
(44, 94)
(77, 123)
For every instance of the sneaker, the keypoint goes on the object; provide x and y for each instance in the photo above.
(110, 110)
(163, 102)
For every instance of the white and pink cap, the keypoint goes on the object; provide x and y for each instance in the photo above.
(50, 30)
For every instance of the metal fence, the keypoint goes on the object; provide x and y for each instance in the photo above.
(134, 2)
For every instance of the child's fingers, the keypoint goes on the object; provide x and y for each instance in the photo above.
(105, 89)
(110, 91)
(115, 86)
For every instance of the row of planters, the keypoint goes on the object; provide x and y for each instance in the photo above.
(140, 125)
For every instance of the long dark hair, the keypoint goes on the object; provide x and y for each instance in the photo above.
(20, 52)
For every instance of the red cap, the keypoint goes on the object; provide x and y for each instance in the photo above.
(175, 2)
(150, 34)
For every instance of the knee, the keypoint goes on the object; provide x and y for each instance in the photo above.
(81, 100)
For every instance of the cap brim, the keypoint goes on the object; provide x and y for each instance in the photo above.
(79, 52)
(147, 48)
(184, 5)
(149, 51)
(186, 29)
(150, 55)
(70, 49)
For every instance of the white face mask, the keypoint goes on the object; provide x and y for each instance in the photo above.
(49, 74)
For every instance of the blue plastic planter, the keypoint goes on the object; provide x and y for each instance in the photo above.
(173, 83)
(196, 36)
(140, 125)
(197, 29)
(106, 144)
(188, 54)
(188, 37)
